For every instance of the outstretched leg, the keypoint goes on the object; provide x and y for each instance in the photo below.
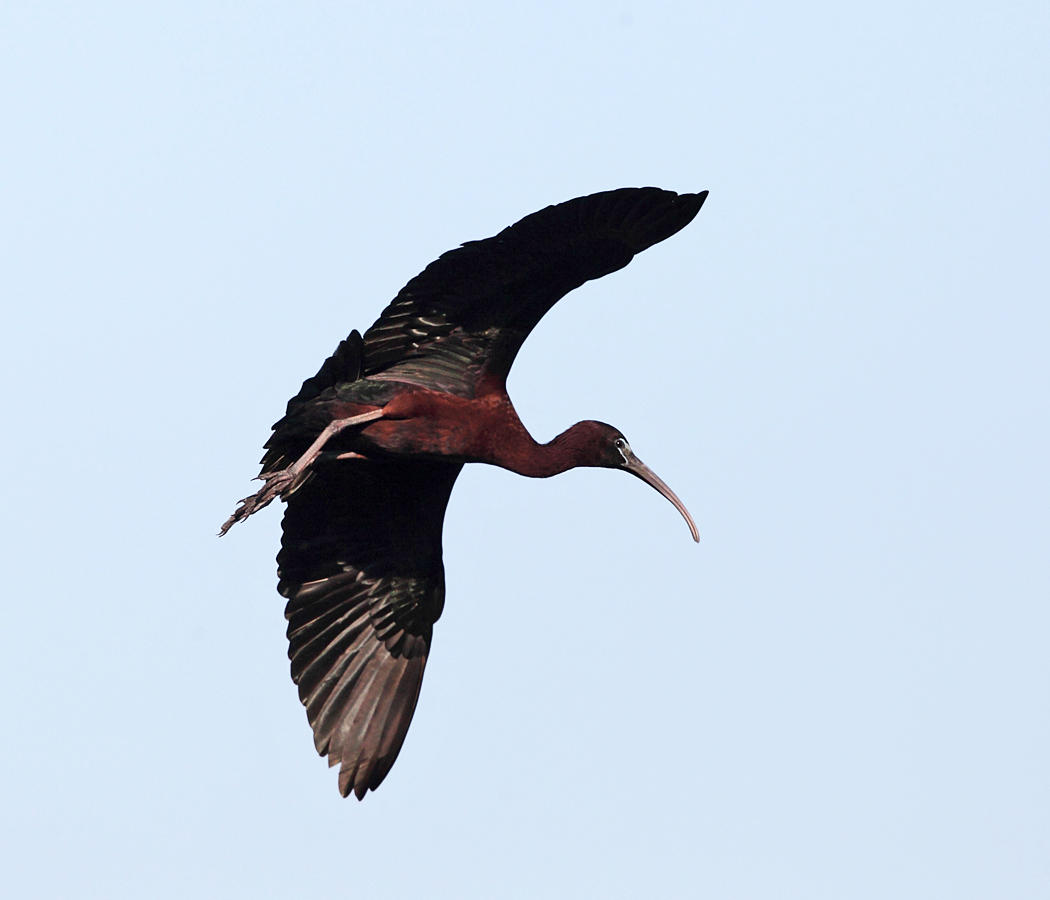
(285, 481)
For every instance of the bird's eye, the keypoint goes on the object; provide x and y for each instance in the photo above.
(620, 444)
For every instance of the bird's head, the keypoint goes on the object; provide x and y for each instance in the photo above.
(601, 445)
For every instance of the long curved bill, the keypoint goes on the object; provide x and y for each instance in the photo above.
(636, 467)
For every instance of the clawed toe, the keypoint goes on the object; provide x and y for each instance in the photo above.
(276, 485)
(285, 482)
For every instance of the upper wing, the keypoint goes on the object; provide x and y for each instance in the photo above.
(464, 318)
(360, 564)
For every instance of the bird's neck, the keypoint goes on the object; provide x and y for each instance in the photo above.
(520, 453)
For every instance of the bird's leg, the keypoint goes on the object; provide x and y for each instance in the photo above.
(284, 482)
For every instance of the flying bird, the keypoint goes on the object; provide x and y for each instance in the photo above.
(368, 451)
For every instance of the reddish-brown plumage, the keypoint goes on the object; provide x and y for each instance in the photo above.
(369, 449)
(422, 423)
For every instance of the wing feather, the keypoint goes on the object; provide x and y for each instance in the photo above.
(465, 316)
(360, 564)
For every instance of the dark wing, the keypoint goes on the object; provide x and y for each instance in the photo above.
(464, 318)
(360, 564)
(307, 413)
(343, 366)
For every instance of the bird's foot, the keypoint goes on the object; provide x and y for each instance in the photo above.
(277, 484)
(285, 482)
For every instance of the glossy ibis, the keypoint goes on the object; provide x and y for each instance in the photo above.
(368, 451)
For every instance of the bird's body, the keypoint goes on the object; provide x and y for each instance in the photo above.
(370, 448)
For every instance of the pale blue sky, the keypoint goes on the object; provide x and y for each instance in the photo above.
(840, 366)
